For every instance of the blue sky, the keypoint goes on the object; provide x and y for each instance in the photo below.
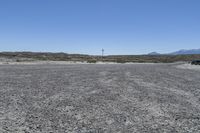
(87, 26)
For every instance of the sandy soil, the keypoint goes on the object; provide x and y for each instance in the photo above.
(57, 62)
(110, 98)
(40, 62)
(189, 66)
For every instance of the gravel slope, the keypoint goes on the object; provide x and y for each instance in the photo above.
(98, 98)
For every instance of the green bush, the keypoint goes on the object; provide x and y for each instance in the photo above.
(121, 61)
(91, 61)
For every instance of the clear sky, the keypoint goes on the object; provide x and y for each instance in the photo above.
(87, 26)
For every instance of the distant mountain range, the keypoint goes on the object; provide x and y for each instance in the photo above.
(183, 51)
(180, 52)
(154, 53)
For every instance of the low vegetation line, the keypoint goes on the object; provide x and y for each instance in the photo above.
(93, 59)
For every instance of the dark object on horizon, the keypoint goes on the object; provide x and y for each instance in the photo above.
(195, 62)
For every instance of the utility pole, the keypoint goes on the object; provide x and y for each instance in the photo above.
(102, 54)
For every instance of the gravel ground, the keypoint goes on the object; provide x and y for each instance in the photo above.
(98, 98)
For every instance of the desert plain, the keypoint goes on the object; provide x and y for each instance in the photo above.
(99, 98)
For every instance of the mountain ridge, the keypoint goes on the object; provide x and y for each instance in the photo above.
(179, 52)
(185, 51)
